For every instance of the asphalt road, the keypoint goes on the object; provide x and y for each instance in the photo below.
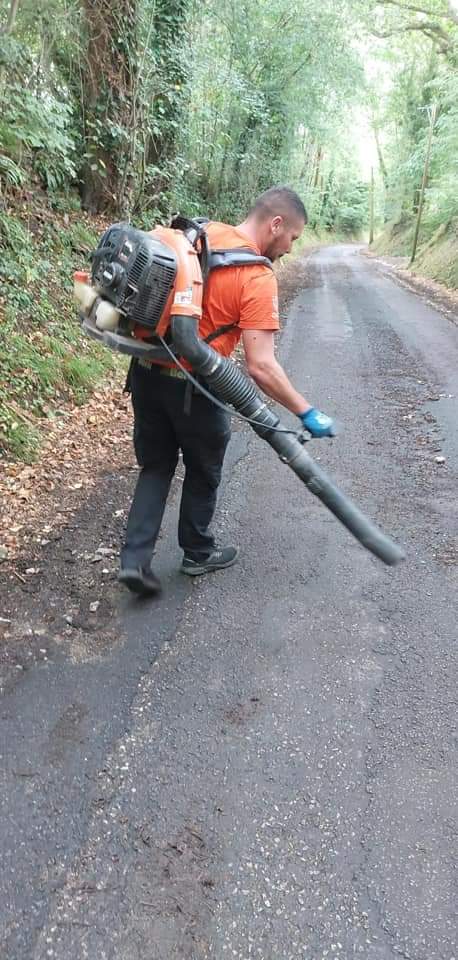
(262, 763)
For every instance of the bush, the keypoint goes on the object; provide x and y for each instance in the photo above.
(34, 138)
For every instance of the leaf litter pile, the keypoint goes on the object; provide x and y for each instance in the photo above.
(80, 446)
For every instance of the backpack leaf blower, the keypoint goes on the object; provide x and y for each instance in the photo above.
(144, 298)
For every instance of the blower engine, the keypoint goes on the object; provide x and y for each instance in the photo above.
(144, 298)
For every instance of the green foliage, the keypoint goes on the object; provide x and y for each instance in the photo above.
(13, 235)
(19, 438)
(43, 357)
(177, 106)
(351, 215)
(417, 69)
(81, 373)
(442, 198)
(18, 269)
(35, 135)
(11, 174)
(36, 124)
(267, 81)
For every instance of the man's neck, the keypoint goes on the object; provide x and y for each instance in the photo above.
(248, 227)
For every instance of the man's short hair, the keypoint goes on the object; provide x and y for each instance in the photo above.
(279, 201)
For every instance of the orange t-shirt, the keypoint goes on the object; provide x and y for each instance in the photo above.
(246, 296)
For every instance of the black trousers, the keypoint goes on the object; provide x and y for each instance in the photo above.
(162, 428)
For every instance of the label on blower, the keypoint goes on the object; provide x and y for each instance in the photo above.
(183, 298)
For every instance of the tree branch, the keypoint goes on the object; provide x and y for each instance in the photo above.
(432, 30)
(449, 15)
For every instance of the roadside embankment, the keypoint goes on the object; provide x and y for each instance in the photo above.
(437, 253)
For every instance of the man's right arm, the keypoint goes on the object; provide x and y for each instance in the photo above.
(258, 321)
(263, 366)
(271, 378)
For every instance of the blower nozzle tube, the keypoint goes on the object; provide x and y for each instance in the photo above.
(231, 386)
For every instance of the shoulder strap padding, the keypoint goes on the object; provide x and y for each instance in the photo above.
(236, 257)
(194, 228)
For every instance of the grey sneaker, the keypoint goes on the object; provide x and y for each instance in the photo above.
(217, 560)
(140, 580)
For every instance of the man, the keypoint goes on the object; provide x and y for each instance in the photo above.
(245, 300)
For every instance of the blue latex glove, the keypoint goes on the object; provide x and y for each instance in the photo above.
(317, 423)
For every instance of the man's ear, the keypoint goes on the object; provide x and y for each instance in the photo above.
(276, 223)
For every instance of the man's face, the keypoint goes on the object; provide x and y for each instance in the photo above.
(281, 236)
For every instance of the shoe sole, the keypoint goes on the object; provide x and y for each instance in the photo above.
(199, 571)
(134, 583)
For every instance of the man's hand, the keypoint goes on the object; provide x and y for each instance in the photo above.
(317, 423)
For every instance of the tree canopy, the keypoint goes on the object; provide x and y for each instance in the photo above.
(146, 106)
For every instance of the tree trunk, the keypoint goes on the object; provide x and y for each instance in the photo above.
(318, 158)
(170, 23)
(381, 160)
(371, 208)
(424, 181)
(324, 204)
(108, 83)
(12, 13)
